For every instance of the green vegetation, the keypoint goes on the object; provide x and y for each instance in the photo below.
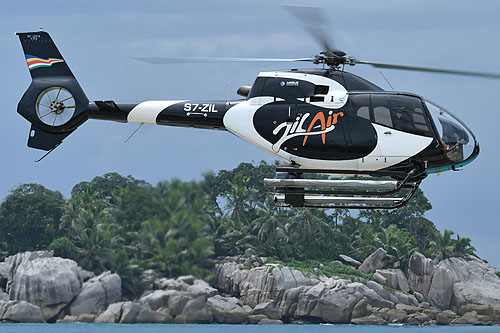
(127, 225)
(498, 274)
(326, 268)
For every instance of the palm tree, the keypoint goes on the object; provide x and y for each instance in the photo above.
(444, 247)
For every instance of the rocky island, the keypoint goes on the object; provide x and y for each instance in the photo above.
(219, 250)
(38, 287)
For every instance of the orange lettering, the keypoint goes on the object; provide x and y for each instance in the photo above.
(321, 117)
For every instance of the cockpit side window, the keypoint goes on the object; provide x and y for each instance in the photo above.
(403, 113)
(408, 115)
(360, 104)
(381, 111)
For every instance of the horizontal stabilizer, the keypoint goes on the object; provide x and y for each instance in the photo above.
(40, 139)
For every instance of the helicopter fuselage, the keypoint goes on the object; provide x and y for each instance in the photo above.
(322, 119)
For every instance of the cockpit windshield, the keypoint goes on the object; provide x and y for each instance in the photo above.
(456, 139)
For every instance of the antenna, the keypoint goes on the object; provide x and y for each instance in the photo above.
(390, 85)
(134, 132)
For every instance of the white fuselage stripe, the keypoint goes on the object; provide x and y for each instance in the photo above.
(146, 112)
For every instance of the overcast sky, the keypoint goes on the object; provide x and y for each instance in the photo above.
(99, 38)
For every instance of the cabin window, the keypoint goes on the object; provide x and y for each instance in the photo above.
(408, 115)
(360, 104)
(317, 99)
(381, 111)
(364, 112)
(321, 90)
(382, 116)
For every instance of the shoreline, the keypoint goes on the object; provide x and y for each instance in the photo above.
(250, 290)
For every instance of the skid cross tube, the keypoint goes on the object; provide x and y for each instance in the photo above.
(398, 202)
(292, 190)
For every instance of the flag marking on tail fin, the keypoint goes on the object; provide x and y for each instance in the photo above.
(35, 62)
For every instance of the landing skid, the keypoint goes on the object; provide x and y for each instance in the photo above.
(293, 190)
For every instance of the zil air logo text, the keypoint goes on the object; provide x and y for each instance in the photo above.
(318, 125)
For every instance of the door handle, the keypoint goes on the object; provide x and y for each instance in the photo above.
(387, 132)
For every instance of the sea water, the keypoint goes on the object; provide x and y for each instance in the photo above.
(188, 328)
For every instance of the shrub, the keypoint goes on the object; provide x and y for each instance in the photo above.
(64, 247)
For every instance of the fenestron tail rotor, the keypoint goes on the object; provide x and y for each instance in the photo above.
(55, 106)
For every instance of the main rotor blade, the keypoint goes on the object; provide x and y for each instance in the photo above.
(313, 20)
(200, 60)
(429, 69)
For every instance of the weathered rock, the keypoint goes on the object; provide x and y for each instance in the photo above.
(161, 318)
(420, 271)
(441, 319)
(169, 284)
(250, 252)
(335, 305)
(381, 313)
(148, 279)
(195, 312)
(112, 314)
(200, 288)
(475, 282)
(432, 313)
(68, 319)
(92, 299)
(4, 274)
(441, 289)
(3, 296)
(20, 312)
(15, 260)
(267, 309)
(158, 298)
(469, 318)
(96, 294)
(349, 261)
(373, 262)
(360, 309)
(145, 315)
(112, 284)
(227, 310)
(480, 309)
(395, 279)
(379, 278)
(129, 312)
(420, 298)
(408, 308)
(255, 319)
(424, 305)
(370, 320)
(104, 319)
(288, 303)
(270, 322)
(86, 318)
(389, 298)
(86, 275)
(396, 315)
(418, 318)
(48, 282)
(449, 314)
(177, 302)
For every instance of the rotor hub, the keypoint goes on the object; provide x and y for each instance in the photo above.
(56, 107)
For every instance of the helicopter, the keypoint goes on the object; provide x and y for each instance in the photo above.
(322, 121)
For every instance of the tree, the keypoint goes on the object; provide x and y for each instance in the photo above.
(447, 247)
(63, 247)
(399, 245)
(401, 217)
(29, 218)
(312, 236)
